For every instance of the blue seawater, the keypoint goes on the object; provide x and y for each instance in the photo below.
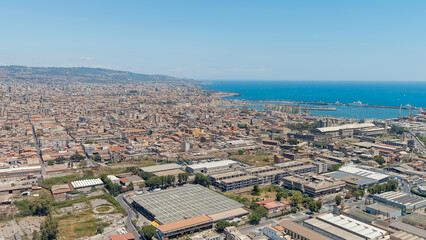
(368, 92)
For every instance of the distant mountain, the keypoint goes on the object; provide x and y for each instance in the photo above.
(79, 74)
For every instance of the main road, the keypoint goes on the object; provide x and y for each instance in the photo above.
(131, 215)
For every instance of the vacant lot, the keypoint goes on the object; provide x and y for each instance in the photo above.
(86, 217)
(256, 159)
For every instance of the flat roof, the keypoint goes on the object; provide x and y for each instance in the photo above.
(184, 202)
(168, 172)
(162, 167)
(345, 127)
(403, 198)
(86, 183)
(353, 226)
(383, 208)
(184, 223)
(302, 230)
(332, 229)
(350, 168)
(227, 174)
(212, 164)
(236, 179)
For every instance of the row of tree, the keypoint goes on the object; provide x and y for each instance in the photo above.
(113, 188)
(391, 185)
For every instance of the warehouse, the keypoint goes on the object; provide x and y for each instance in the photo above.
(380, 209)
(406, 202)
(187, 208)
(86, 185)
(343, 227)
(212, 167)
(352, 169)
(162, 167)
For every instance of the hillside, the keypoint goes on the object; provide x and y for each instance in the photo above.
(78, 74)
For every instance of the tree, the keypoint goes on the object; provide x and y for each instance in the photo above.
(202, 180)
(77, 157)
(50, 162)
(183, 178)
(338, 199)
(297, 199)
(256, 190)
(335, 167)
(148, 231)
(97, 158)
(312, 206)
(379, 159)
(60, 160)
(319, 205)
(48, 230)
(153, 182)
(262, 211)
(222, 224)
(254, 218)
(240, 152)
(146, 175)
(293, 141)
(170, 179)
(294, 210)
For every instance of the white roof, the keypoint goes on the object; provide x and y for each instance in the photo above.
(162, 167)
(10, 170)
(112, 177)
(212, 164)
(352, 169)
(86, 183)
(354, 226)
(346, 126)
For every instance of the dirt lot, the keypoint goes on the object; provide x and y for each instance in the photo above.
(23, 226)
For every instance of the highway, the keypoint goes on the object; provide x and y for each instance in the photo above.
(131, 215)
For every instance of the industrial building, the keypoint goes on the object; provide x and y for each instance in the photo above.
(380, 209)
(212, 167)
(340, 227)
(186, 209)
(352, 169)
(86, 185)
(314, 185)
(343, 131)
(162, 167)
(299, 232)
(406, 202)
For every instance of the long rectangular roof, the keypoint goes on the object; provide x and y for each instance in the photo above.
(345, 127)
(212, 164)
(162, 167)
(353, 226)
(302, 230)
(403, 198)
(352, 169)
(86, 183)
(184, 202)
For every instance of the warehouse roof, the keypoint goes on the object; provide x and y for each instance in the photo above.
(345, 127)
(402, 198)
(184, 202)
(350, 168)
(352, 225)
(212, 164)
(86, 183)
(302, 231)
(162, 167)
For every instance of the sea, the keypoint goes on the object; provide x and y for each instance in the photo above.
(367, 92)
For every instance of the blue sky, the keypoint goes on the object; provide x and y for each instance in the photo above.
(215, 40)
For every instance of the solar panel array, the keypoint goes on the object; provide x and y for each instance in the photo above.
(185, 202)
